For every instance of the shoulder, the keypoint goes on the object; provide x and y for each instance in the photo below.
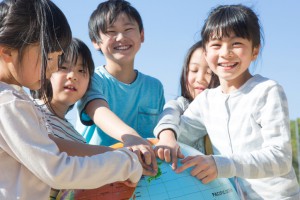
(149, 79)
(259, 84)
(9, 93)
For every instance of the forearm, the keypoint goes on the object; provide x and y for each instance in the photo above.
(109, 122)
(170, 117)
(73, 148)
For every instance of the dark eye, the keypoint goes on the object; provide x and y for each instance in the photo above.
(82, 71)
(62, 68)
(237, 44)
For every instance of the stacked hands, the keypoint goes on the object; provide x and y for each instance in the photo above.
(168, 149)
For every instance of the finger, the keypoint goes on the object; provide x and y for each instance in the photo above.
(208, 179)
(141, 159)
(174, 158)
(149, 172)
(179, 154)
(186, 165)
(167, 155)
(146, 156)
(153, 161)
(186, 159)
(160, 153)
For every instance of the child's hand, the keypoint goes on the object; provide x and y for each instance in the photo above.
(205, 167)
(128, 183)
(167, 148)
(143, 149)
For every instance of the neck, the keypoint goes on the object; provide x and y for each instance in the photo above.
(59, 109)
(124, 73)
(229, 86)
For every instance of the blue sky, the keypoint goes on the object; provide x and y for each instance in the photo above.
(172, 26)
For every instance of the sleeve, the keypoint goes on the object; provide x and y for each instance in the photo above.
(275, 156)
(25, 139)
(95, 91)
(191, 122)
(171, 115)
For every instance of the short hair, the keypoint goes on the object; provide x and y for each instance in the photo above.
(106, 13)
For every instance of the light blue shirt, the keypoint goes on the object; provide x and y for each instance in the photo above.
(138, 104)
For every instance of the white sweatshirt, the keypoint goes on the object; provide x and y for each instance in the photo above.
(31, 162)
(250, 133)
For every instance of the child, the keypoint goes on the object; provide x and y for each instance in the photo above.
(196, 76)
(116, 30)
(246, 117)
(30, 44)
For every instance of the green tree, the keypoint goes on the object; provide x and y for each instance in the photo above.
(295, 145)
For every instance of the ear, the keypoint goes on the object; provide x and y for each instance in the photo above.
(142, 36)
(96, 45)
(6, 54)
(255, 52)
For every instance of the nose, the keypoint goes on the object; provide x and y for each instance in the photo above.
(226, 51)
(200, 77)
(119, 36)
(71, 76)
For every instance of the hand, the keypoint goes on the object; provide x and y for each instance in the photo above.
(143, 149)
(205, 167)
(167, 148)
(128, 183)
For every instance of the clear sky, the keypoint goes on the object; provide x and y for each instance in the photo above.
(172, 26)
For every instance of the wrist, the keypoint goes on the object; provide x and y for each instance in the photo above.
(167, 134)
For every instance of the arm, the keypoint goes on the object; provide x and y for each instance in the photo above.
(269, 155)
(274, 156)
(73, 148)
(26, 140)
(167, 148)
(100, 113)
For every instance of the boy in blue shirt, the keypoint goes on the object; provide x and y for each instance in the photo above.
(116, 30)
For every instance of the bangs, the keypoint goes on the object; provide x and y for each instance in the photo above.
(232, 19)
(226, 23)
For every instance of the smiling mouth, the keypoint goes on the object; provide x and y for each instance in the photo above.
(70, 88)
(228, 66)
(122, 48)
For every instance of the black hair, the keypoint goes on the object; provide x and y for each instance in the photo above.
(214, 82)
(28, 22)
(71, 54)
(239, 19)
(106, 13)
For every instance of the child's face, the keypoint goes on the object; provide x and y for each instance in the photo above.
(28, 72)
(230, 58)
(69, 83)
(199, 74)
(122, 40)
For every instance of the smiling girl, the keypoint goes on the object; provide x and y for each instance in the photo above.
(246, 117)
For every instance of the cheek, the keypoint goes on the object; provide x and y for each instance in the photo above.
(190, 82)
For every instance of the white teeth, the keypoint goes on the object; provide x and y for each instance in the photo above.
(122, 47)
(227, 65)
(70, 87)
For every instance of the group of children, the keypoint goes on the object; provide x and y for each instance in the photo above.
(244, 115)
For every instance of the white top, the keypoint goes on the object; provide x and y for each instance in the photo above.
(250, 133)
(173, 109)
(31, 162)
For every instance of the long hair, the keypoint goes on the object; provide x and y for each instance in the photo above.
(28, 22)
